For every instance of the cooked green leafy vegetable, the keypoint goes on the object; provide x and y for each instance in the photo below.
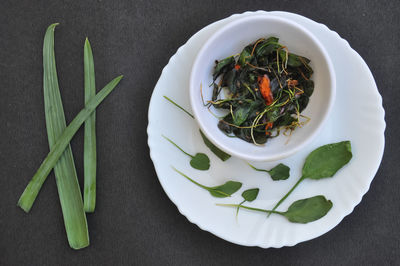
(89, 149)
(199, 161)
(265, 88)
(323, 162)
(222, 191)
(219, 153)
(301, 211)
(279, 172)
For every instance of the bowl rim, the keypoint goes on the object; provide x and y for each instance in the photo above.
(285, 153)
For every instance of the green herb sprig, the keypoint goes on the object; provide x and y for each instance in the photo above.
(222, 191)
(199, 161)
(279, 172)
(219, 153)
(323, 162)
(301, 211)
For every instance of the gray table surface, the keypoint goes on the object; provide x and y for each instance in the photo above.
(135, 223)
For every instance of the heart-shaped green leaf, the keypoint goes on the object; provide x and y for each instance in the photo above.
(308, 210)
(250, 194)
(279, 172)
(200, 161)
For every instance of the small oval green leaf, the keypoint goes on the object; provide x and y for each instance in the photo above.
(308, 210)
(200, 161)
(326, 160)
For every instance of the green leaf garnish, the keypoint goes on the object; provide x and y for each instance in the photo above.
(248, 195)
(222, 191)
(279, 172)
(327, 160)
(308, 210)
(199, 161)
(180, 107)
(219, 153)
(301, 211)
(323, 162)
(228, 188)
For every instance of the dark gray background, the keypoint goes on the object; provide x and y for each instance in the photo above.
(135, 222)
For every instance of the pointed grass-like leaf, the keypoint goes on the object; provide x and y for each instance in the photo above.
(64, 167)
(89, 148)
(32, 189)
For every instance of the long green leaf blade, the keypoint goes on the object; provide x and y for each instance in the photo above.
(89, 153)
(28, 196)
(65, 172)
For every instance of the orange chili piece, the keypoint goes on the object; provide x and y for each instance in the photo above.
(292, 83)
(265, 89)
(237, 67)
(268, 126)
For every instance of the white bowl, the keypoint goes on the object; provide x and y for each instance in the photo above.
(230, 40)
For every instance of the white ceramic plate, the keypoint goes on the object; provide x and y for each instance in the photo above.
(357, 116)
